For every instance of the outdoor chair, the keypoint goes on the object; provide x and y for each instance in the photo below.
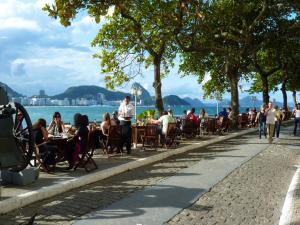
(150, 136)
(87, 153)
(243, 120)
(203, 127)
(114, 140)
(170, 139)
(39, 158)
(221, 125)
(189, 129)
(211, 125)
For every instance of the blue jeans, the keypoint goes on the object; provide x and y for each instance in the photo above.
(262, 128)
(277, 129)
(297, 121)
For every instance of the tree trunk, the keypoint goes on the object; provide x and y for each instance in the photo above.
(284, 95)
(157, 86)
(294, 98)
(265, 88)
(233, 77)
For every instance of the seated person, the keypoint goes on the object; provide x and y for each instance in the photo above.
(106, 123)
(115, 117)
(56, 126)
(165, 119)
(78, 143)
(192, 117)
(202, 116)
(223, 113)
(47, 152)
(230, 114)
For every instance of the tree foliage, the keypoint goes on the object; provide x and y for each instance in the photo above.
(130, 38)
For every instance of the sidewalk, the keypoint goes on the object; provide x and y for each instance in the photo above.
(49, 185)
(160, 203)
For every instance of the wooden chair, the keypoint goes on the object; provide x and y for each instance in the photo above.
(189, 129)
(221, 125)
(170, 137)
(114, 140)
(242, 120)
(211, 125)
(87, 153)
(39, 158)
(150, 136)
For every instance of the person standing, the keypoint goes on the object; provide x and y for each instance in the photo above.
(261, 120)
(126, 111)
(296, 113)
(270, 121)
(279, 116)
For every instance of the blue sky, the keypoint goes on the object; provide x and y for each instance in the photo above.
(39, 53)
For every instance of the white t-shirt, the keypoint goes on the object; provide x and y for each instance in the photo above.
(297, 113)
(270, 116)
(165, 120)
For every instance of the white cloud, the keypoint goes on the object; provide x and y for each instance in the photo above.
(19, 23)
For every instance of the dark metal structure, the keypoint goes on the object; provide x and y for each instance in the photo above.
(16, 135)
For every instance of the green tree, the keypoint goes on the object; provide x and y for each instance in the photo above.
(225, 37)
(131, 36)
(221, 42)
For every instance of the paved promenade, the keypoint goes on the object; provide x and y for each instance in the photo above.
(254, 192)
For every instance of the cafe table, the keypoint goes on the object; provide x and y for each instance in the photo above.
(137, 132)
(60, 141)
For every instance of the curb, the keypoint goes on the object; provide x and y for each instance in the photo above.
(22, 200)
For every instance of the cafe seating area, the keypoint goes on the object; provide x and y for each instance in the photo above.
(145, 138)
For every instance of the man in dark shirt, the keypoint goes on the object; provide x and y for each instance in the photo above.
(223, 113)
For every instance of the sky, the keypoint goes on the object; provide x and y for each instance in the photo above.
(37, 52)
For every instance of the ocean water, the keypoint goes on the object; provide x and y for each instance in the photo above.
(95, 112)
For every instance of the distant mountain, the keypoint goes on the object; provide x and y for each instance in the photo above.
(194, 102)
(11, 93)
(90, 92)
(248, 102)
(173, 100)
(145, 93)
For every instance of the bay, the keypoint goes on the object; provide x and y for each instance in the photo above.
(95, 113)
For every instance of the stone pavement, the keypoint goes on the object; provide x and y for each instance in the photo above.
(253, 194)
(67, 207)
(168, 197)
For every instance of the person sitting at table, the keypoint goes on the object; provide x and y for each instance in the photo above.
(56, 126)
(47, 151)
(192, 117)
(106, 123)
(115, 118)
(79, 142)
(203, 115)
(223, 113)
(165, 119)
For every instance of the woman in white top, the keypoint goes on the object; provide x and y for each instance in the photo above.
(296, 113)
(270, 121)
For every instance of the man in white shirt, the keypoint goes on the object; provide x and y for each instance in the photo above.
(270, 121)
(126, 112)
(165, 119)
(296, 113)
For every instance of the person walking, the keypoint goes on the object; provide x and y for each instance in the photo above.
(270, 121)
(126, 111)
(296, 113)
(279, 116)
(261, 120)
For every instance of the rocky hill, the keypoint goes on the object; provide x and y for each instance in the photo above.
(174, 100)
(11, 93)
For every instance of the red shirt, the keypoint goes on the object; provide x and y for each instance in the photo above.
(192, 118)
